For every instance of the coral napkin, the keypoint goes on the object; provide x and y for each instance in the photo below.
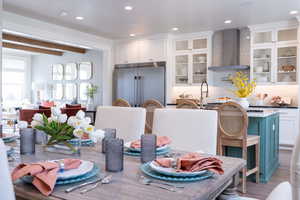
(44, 173)
(160, 141)
(193, 162)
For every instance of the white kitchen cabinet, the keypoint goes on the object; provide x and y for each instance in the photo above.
(274, 53)
(192, 56)
(135, 51)
(288, 126)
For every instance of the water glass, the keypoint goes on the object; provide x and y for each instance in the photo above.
(27, 141)
(114, 157)
(40, 137)
(109, 133)
(148, 147)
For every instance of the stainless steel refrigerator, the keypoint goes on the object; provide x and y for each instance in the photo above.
(139, 82)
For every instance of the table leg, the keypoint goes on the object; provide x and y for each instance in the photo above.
(231, 190)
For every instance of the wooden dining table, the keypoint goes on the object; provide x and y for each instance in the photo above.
(126, 185)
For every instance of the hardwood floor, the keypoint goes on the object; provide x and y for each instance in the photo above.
(261, 191)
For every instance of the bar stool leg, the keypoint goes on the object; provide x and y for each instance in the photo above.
(244, 177)
(257, 160)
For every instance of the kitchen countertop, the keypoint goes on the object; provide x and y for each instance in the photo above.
(266, 106)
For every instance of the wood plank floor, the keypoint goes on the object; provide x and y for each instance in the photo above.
(261, 191)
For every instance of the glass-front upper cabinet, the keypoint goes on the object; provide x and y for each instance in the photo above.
(199, 67)
(287, 35)
(287, 64)
(182, 45)
(191, 44)
(262, 65)
(263, 37)
(181, 69)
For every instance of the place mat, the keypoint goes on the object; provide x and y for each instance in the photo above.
(146, 169)
(173, 172)
(134, 153)
(94, 172)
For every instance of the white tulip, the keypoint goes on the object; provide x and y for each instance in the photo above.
(72, 121)
(22, 124)
(78, 132)
(89, 129)
(97, 135)
(52, 119)
(80, 115)
(87, 120)
(62, 118)
(55, 111)
(35, 123)
(38, 117)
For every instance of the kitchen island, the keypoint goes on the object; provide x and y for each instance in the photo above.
(266, 125)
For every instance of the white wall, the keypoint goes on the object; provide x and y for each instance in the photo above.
(1, 3)
(42, 68)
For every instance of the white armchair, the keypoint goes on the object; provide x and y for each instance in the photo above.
(6, 188)
(129, 121)
(189, 129)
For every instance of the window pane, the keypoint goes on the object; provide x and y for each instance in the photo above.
(14, 64)
(57, 92)
(83, 91)
(70, 91)
(85, 70)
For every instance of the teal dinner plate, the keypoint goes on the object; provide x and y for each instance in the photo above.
(134, 153)
(85, 142)
(94, 172)
(9, 139)
(146, 169)
(127, 146)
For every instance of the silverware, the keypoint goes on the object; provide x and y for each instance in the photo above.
(147, 182)
(83, 184)
(162, 183)
(105, 180)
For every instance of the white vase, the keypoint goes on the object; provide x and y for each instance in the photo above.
(244, 102)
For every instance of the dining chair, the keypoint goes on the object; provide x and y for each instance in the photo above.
(129, 122)
(150, 106)
(121, 103)
(232, 127)
(6, 188)
(295, 169)
(189, 130)
(187, 104)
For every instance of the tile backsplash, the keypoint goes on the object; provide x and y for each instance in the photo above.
(290, 91)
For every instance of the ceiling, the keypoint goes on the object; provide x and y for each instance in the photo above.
(108, 18)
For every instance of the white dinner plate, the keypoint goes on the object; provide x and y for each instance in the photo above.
(84, 168)
(172, 172)
(128, 144)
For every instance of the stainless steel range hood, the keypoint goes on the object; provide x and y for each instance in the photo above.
(226, 51)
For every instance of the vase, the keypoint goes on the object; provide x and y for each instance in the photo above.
(70, 147)
(244, 103)
(90, 104)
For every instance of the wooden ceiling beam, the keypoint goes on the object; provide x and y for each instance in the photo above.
(31, 49)
(51, 45)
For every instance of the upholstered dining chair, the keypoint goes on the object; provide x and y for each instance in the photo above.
(121, 103)
(189, 130)
(129, 122)
(232, 127)
(187, 104)
(150, 106)
(6, 188)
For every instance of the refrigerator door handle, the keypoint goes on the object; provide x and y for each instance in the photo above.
(138, 92)
(134, 90)
(141, 90)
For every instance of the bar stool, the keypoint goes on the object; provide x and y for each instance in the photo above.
(233, 124)
(187, 104)
(150, 106)
(121, 103)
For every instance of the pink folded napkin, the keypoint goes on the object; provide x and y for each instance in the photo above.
(160, 141)
(44, 173)
(193, 162)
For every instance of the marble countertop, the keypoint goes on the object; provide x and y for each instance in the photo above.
(265, 113)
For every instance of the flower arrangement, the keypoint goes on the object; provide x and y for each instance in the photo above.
(61, 129)
(243, 86)
(91, 91)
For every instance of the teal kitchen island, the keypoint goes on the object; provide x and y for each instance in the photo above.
(265, 125)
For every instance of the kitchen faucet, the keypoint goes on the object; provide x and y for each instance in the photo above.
(202, 92)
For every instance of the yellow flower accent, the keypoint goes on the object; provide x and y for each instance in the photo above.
(243, 86)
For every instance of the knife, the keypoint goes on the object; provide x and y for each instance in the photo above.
(83, 184)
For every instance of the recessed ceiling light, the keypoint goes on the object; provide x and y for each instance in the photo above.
(132, 35)
(128, 7)
(79, 18)
(293, 12)
(175, 29)
(63, 13)
(227, 21)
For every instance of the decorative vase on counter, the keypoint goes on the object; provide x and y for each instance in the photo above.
(244, 102)
(90, 104)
